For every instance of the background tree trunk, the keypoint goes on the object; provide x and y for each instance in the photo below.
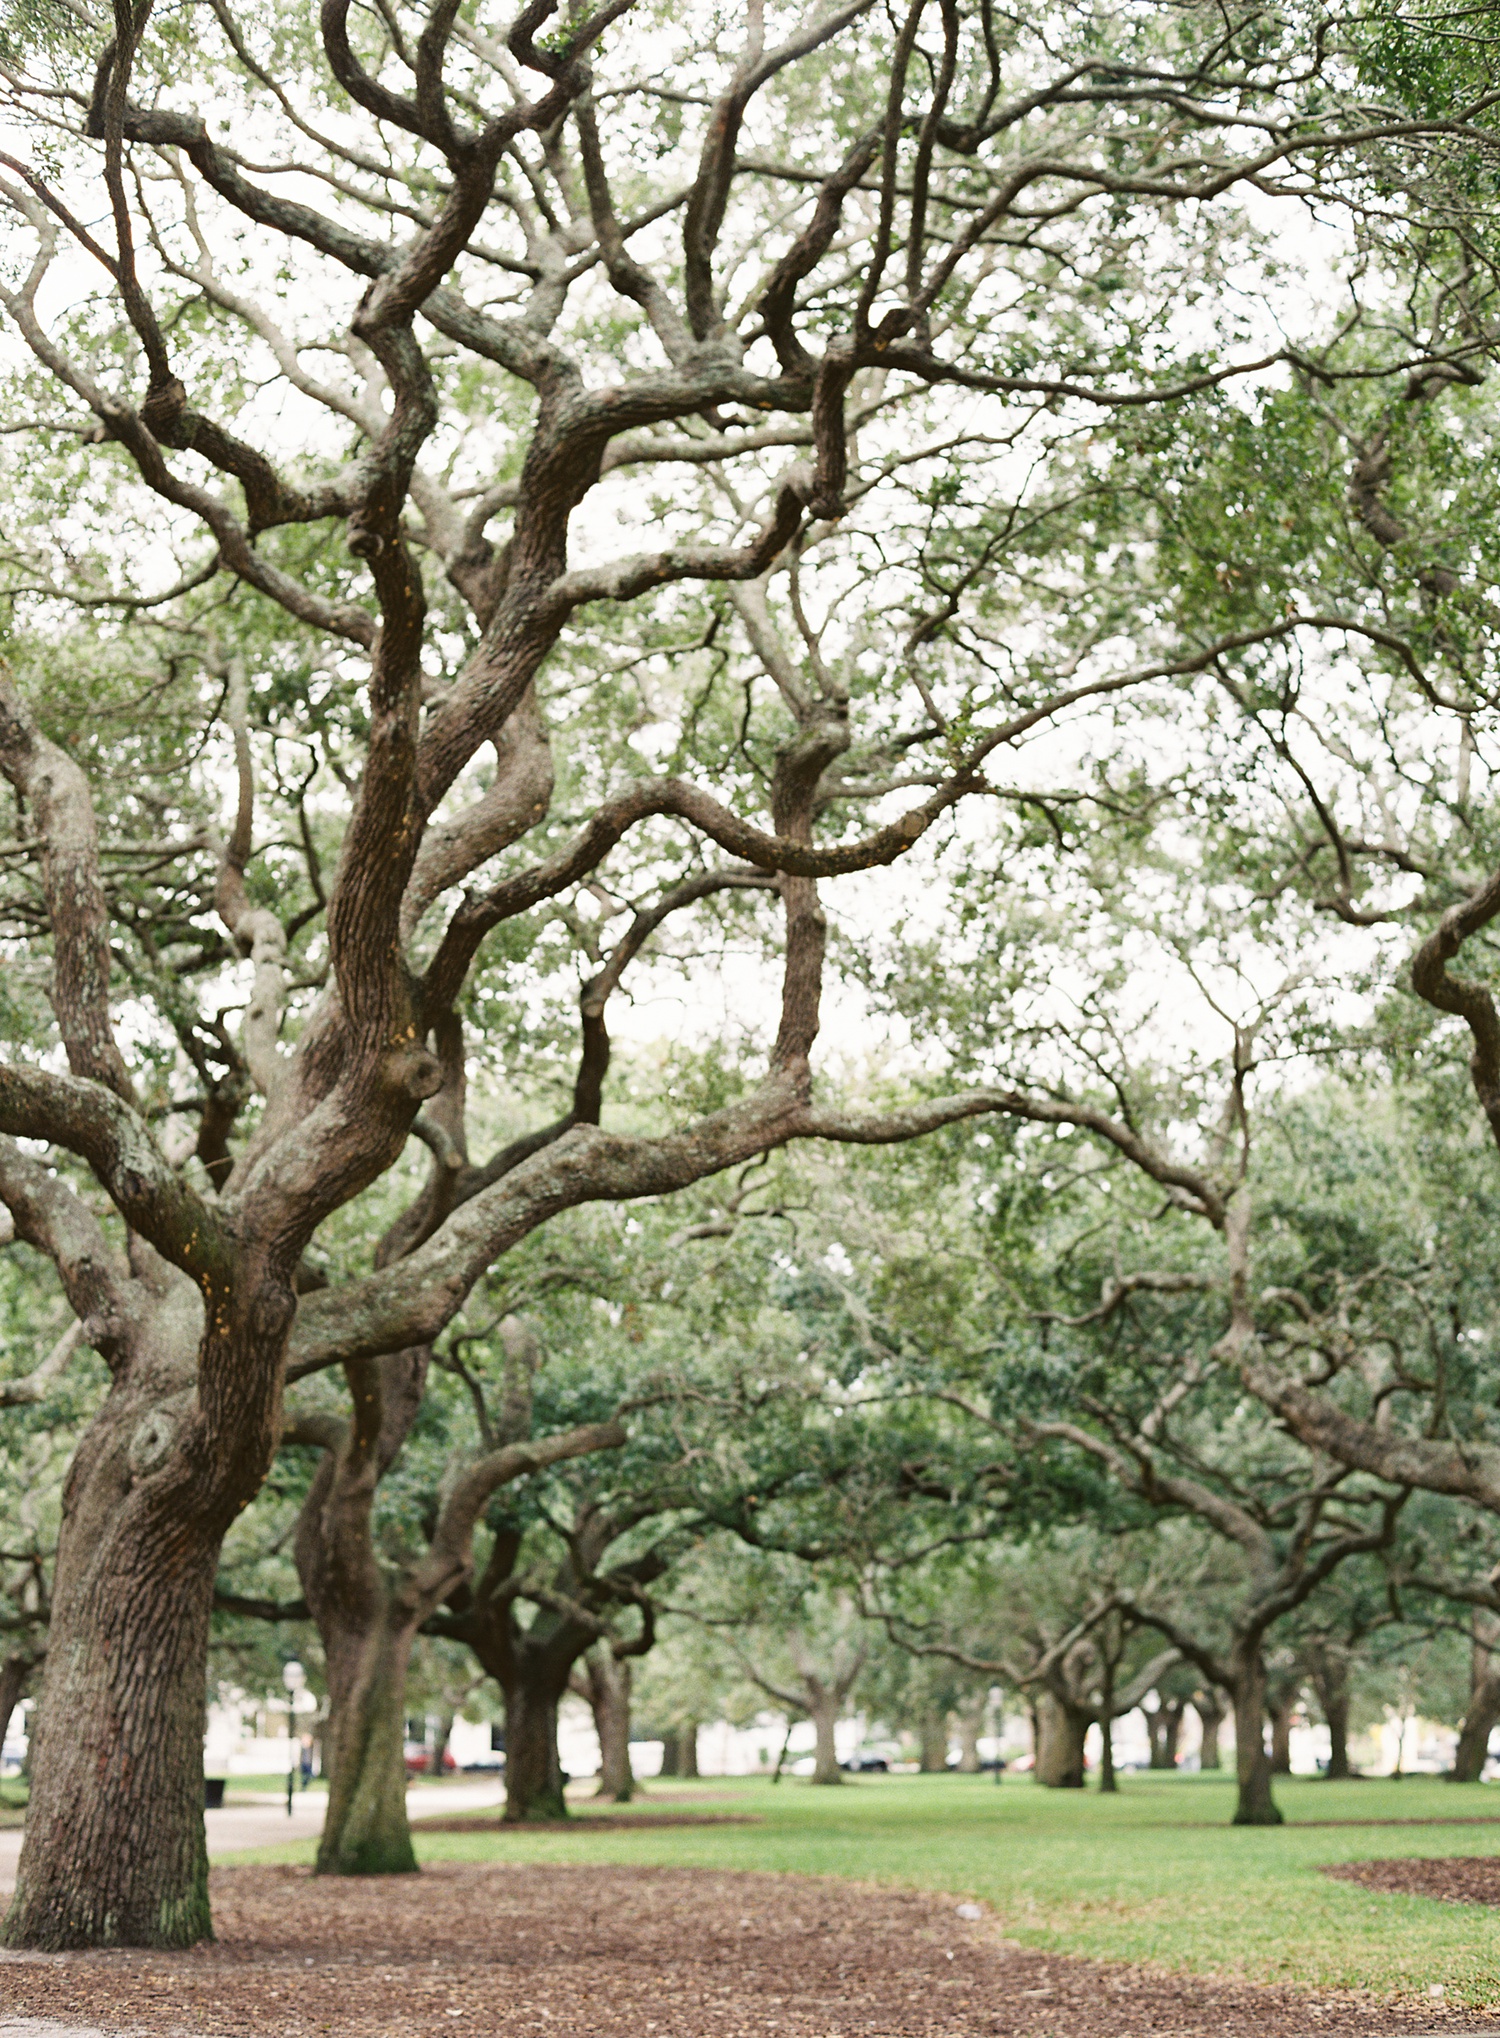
(824, 1714)
(365, 1830)
(671, 1752)
(606, 1685)
(689, 1749)
(533, 1773)
(440, 1744)
(1059, 1744)
(970, 1720)
(1330, 1676)
(1280, 1715)
(1107, 1778)
(933, 1743)
(1256, 1806)
(1480, 1720)
(1210, 1719)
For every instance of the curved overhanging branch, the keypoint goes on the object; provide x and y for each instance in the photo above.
(1461, 996)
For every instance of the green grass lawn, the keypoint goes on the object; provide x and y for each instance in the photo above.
(1155, 1874)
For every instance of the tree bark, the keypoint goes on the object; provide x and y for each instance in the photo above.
(1059, 1745)
(671, 1752)
(365, 1830)
(1480, 1720)
(115, 1852)
(689, 1749)
(1256, 1806)
(1210, 1719)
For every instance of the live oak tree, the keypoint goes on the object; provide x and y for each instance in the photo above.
(325, 464)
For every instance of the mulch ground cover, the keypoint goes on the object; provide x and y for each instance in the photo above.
(1463, 1879)
(613, 1952)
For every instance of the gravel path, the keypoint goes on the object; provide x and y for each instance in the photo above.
(612, 1952)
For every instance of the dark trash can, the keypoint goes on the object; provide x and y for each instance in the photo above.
(213, 1793)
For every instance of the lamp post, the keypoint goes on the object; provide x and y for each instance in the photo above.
(293, 1677)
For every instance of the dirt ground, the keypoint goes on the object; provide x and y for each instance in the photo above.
(611, 1952)
(1459, 1880)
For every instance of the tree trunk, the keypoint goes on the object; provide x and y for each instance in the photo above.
(533, 1773)
(1480, 1720)
(824, 1714)
(933, 1739)
(1281, 1737)
(969, 1723)
(365, 1830)
(1059, 1744)
(440, 1744)
(689, 1749)
(671, 1752)
(114, 1853)
(1210, 1719)
(367, 1636)
(607, 1689)
(1256, 1806)
(1172, 1731)
(1107, 1778)
(1336, 1713)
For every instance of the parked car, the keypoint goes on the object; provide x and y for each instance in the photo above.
(865, 1764)
(418, 1757)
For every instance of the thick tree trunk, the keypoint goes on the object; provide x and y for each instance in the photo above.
(365, 1830)
(114, 1852)
(1210, 1720)
(1059, 1743)
(533, 1773)
(933, 1743)
(689, 1749)
(1256, 1806)
(671, 1752)
(1480, 1720)
(824, 1714)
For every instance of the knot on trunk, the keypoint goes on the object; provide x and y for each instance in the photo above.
(151, 1445)
(415, 1071)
